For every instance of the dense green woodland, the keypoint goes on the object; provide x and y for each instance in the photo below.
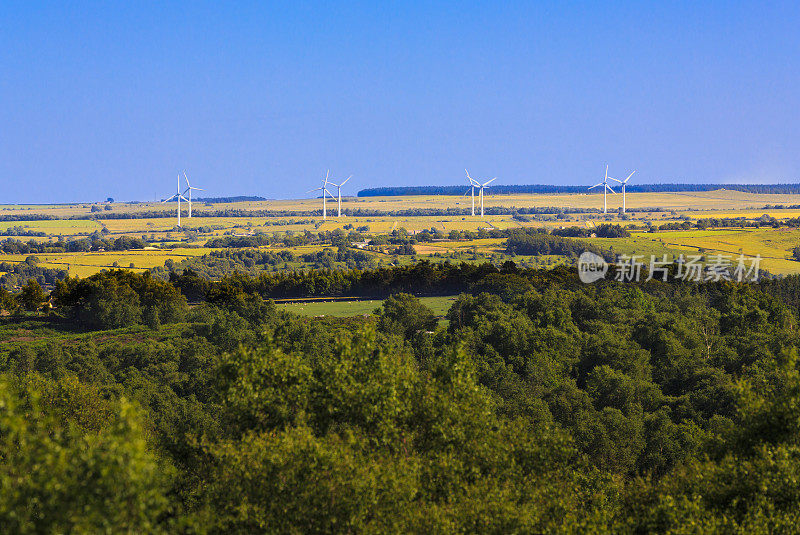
(538, 405)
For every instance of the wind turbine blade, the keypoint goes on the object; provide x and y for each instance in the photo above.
(611, 190)
(474, 182)
(629, 177)
(345, 180)
(598, 184)
(615, 180)
(167, 200)
(187, 179)
(489, 181)
(469, 177)
(315, 189)
(606, 171)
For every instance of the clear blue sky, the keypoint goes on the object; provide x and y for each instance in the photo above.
(101, 99)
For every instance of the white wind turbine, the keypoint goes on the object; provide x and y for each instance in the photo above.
(481, 188)
(624, 183)
(339, 188)
(178, 196)
(472, 184)
(606, 188)
(188, 190)
(324, 189)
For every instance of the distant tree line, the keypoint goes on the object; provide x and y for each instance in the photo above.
(421, 278)
(95, 242)
(548, 188)
(236, 198)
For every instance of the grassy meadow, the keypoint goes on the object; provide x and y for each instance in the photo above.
(349, 308)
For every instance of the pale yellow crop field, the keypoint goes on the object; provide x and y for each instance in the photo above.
(487, 245)
(707, 200)
(54, 226)
(750, 214)
(772, 245)
(85, 264)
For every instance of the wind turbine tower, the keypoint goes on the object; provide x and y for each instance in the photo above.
(324, 189)
(188, 190)
(606, 189)
(179, 197)
(480, 191)
(472, 184)
(339, 188)
(624, 183)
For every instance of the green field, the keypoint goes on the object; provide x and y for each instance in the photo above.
(439, 305)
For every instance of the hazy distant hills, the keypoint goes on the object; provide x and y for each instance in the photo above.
(547, 188)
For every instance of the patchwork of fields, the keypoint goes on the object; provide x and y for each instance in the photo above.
(774, 245)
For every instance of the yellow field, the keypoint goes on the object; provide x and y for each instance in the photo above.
(773, 245)
(85, 264)
(680, 201)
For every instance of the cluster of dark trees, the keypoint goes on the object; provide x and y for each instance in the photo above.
(792, 222)
(16, 275)
(118, 298)
(219, 264)
(421, 278)
(18, 230)
(673, 225)
(542, 406)
(765, 220)
(405, 249)
(96, 243)
(13, 246)
(334, 237)
(346, 257)
(29, 217)
(535, 242)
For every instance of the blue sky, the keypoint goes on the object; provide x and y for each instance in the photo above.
(105, 99)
